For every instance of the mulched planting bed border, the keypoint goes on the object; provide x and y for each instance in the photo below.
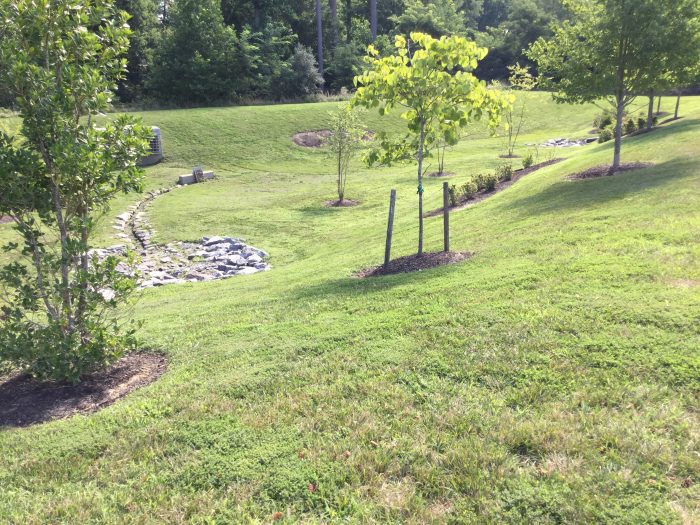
(440, 175)
(347, 203)
(416, 263)
(484, 194)
(604, 170)
(25, 401)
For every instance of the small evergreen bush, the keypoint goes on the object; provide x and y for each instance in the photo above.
(605, 135)
(469, 189)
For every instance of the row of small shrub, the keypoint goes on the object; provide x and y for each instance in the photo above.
(629, 126)
(480, 182)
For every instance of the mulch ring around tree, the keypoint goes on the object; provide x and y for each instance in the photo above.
(25, 401)
(440, 174)
(346, 203)
(5, 220)
(416, 263)
(318, 138)
(485, 194)
(604, 170)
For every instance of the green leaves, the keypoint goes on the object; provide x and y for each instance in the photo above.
(432, 81)
(62, 59)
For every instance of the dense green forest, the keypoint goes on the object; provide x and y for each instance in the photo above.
(190, 52)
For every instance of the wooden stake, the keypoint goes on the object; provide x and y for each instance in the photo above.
(446, 214)
(389, 230)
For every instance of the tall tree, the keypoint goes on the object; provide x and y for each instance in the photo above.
(604, 53)
(319, 36)
(199, 59)
(373, 19)
(58, 319)
(144, 25)
(432, 82)
(334, 23)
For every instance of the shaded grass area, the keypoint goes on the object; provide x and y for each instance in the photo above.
(552, 378)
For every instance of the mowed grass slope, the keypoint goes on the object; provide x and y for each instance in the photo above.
(553, 378)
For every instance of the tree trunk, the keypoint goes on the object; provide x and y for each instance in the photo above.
(658, 105)
(348, 21)
(678, 107)
(618, 133)
(420, 187)
(319, 31)
(650, 113)
(341, 185)
(373, 18)
(334, 23)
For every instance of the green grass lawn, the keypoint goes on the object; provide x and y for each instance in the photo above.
(552, 378)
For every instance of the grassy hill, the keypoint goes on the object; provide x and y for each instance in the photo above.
(552, 378)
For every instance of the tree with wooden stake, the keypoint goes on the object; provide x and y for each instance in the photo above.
(58, 312)
(611, 50)
(432, 82)
(346, 137)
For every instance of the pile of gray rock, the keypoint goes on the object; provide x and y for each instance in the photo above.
(566, 143)
(179, 262)
(211, 258)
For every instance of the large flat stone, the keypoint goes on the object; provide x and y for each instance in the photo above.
(185, 180)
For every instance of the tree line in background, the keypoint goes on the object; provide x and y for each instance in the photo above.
(202, 51)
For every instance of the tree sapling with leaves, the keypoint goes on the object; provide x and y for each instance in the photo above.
(62, 60)
(346, 136)
(432, 81)
(520, 80)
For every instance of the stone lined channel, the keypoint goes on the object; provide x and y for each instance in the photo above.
(208, 259)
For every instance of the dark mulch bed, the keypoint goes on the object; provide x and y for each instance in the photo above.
(416, 263)
(25, 401)
(347, 203)
(484, 194)
(440, 174)
(4, 220)
(604, 170)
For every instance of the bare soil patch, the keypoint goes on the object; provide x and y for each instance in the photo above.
(514, 156)
(416, 263)
(24, 401)
(605, 171)
(485, 194)
(317, 138)
(4, 219)
(311, 139)
(440, 174)
(346, 203)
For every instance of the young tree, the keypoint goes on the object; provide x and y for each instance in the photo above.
(521, 80)
(432, 82)
(607, 52)
(346, 136)
(62, 59)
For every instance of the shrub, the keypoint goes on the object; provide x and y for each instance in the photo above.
(606, 135)
(480, 181)
(641, 123)
(603, 120)
(491, 181)
(454, 197)
(630, 126)
(528, 161)
(469, 189)
(505, 171)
